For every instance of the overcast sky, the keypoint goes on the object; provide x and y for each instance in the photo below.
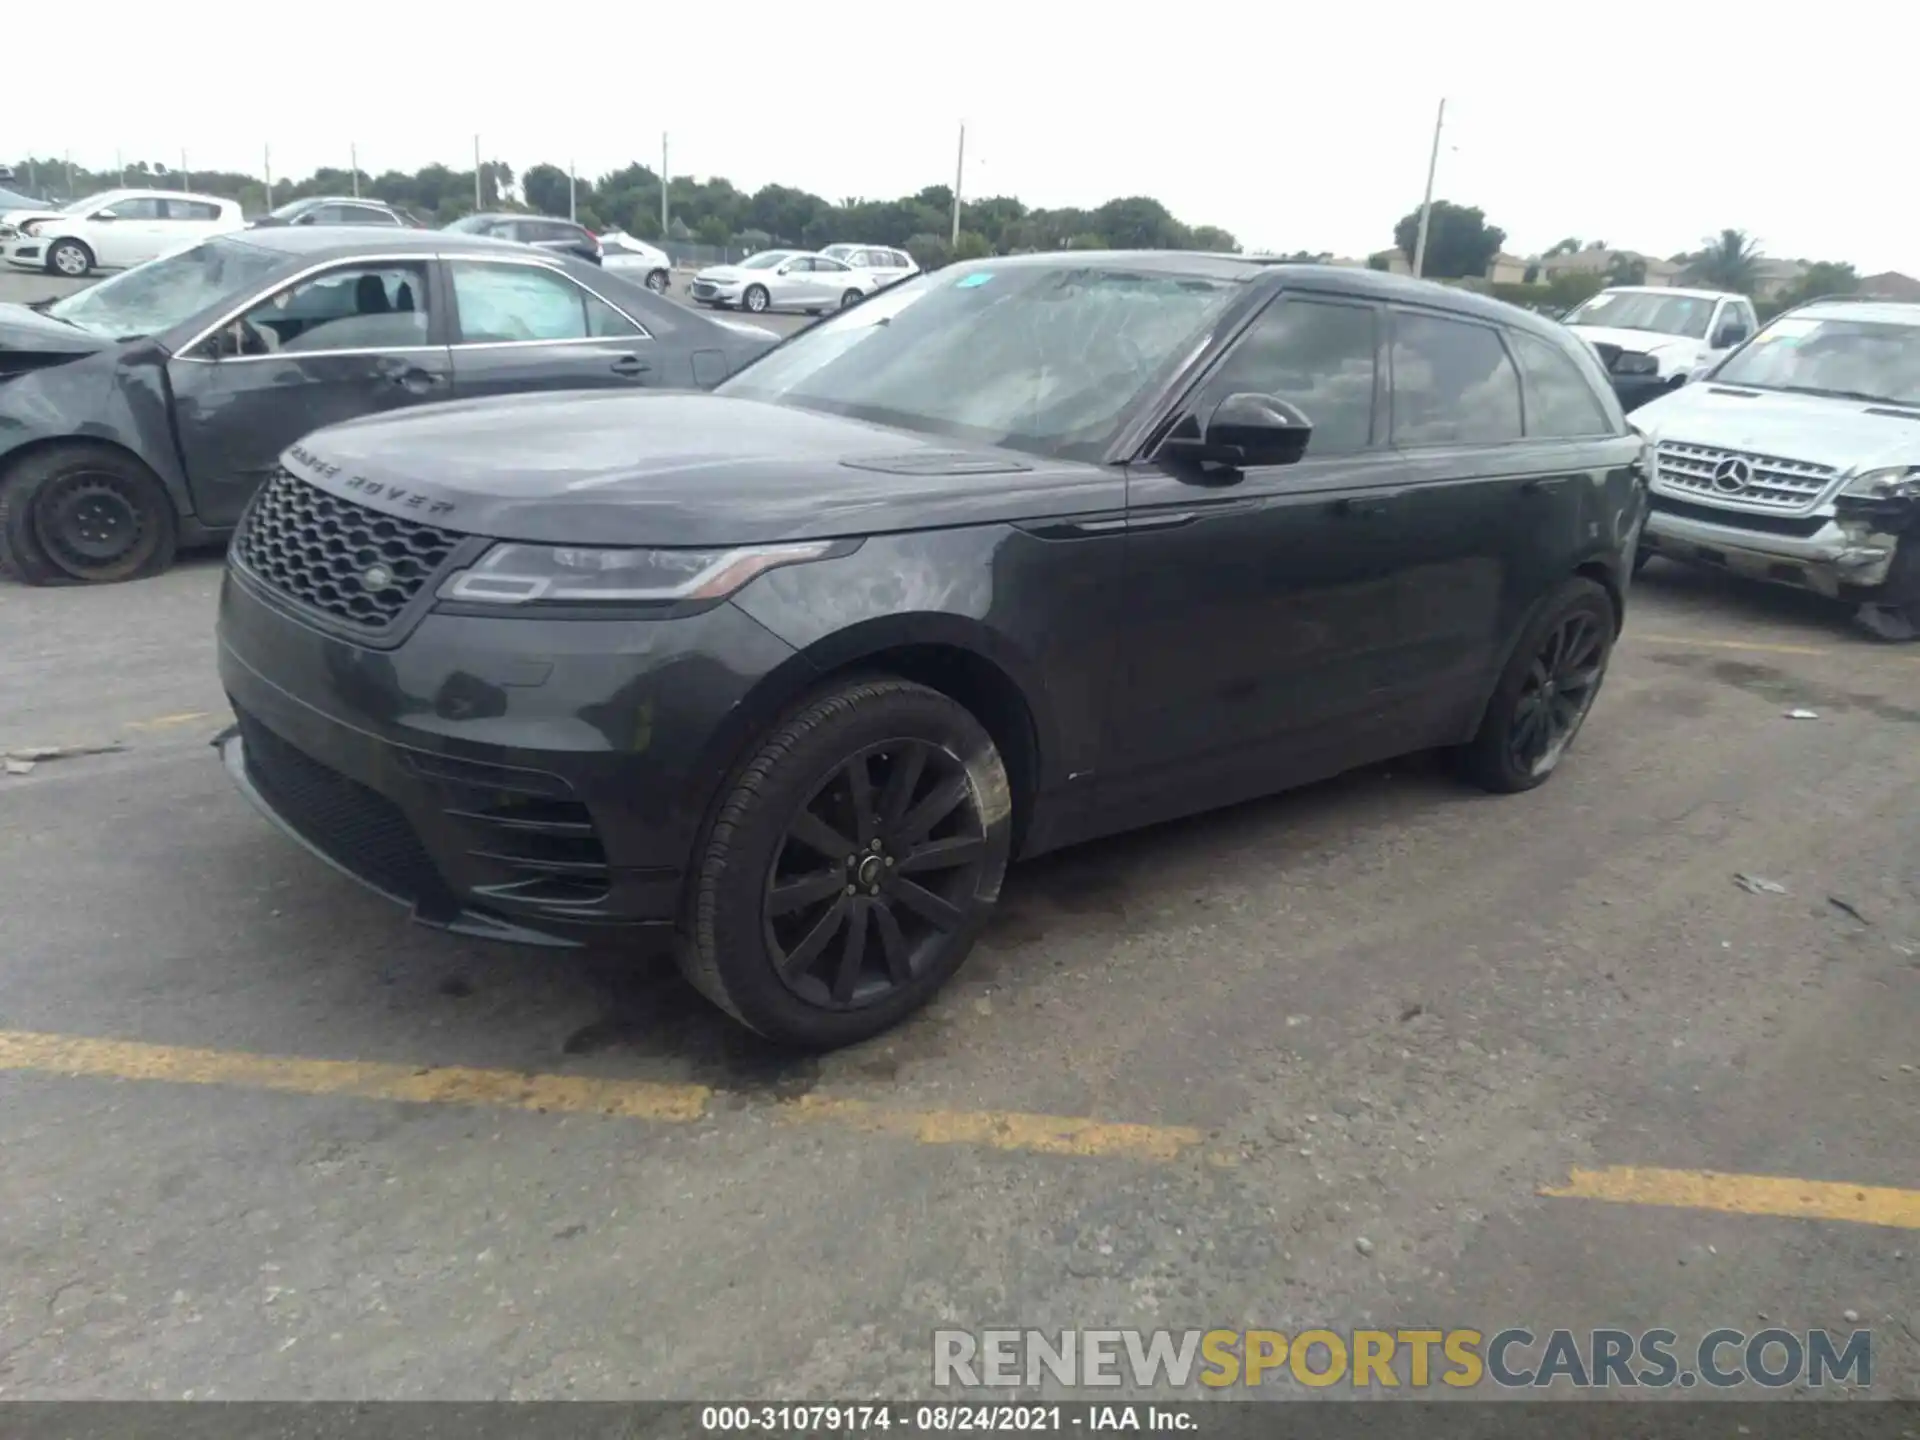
(1647, 126)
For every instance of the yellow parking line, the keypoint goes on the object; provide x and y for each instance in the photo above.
(627, 1099)
(162, 722)
(1745, 1195)
(1755, 645)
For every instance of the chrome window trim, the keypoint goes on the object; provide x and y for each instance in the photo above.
(319, 354)
(185, 352)
(539, 263)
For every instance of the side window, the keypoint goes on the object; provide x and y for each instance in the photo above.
(503, 303)
(325, 215)
(355, 307)
(192, 210)
(831, 266)
(368, 215)
(1734, 316)
(1560, 400)
(1320, 356)
(139, 207)
(1452, 383)
(801, 264)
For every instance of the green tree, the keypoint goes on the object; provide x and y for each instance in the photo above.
(973, 246)
(1625, 269)
(1459, 240)
(1381, 260)
(929, 251)
(1563, 247)
(1728, 261)
(545, 187)
(1823, 277)
(1212, 237)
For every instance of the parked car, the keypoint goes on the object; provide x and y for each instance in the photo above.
(1796, 459)
(1651, 338)
(783, 280)
(114, 230)
(651, 265)
(558, 237)
(145, 411)
(332, 210)
(882, 262)
(1011, 555)
(12, 202)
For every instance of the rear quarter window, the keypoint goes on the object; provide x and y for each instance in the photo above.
(1560, 400)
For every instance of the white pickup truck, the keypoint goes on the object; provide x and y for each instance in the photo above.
(1652, 337)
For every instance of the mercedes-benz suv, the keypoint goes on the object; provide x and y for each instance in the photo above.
(1797, 460)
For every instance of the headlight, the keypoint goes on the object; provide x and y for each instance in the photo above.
(32, 227)
(1892, 482)
(520, 574)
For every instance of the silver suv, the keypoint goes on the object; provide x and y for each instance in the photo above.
(1796, 459)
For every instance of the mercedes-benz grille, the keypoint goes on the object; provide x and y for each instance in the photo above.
(1740, 480)
(338, 557)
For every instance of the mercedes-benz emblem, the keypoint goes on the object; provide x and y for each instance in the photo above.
(1732, 475)
(376, 578)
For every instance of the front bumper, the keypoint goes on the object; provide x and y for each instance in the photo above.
(708, 292)
(1841, 560)
(27, 251)
(533, 780)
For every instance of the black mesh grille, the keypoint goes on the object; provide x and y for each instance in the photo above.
(319, 550)
(361, 831)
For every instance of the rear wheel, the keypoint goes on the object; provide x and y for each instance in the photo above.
(84, 514)
(755, 299)
(850, 299)
(658, 280)
(70, 258)
(851, 866)
(1546, 693)
(1894, 614)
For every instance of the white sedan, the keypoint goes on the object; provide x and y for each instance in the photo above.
(783, 280)
(885, 263)
(114, 230)
(636, 259)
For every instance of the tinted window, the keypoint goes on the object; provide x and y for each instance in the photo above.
(522, 302)
(143, 207)
(800, 265)
(356, 307)
(1321, 357)
(367, 215)
(833, 266)
(192, 210)
(1560, 401)
(324, 215)
(1452, 383)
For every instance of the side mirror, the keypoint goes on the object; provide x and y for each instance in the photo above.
(103, 215)
(786, 269)
(1243, 430)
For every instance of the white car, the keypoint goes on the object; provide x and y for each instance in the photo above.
(783, 280)
(114, 230)
(883, 262)
(649, 264)
(1662, 332)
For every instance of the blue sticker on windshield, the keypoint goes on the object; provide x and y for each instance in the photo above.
(979, 277)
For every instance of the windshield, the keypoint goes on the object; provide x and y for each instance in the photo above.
(289, 210)
(1687, 315)
(163, 293)
(765, 260)
(1856, 359)
(1049, 359)
(469, 224)
(89, 202)
(839, 252)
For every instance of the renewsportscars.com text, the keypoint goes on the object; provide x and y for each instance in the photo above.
(1414, 1359)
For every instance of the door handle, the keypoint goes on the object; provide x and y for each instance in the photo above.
(415, 380)
(630, 365)
(1361, 507)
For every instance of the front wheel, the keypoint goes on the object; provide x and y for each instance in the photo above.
(1546, 693)
(851, 866)
(850, 299)
(756, 298)
(71, 259)
(657, 281)
(84, 514)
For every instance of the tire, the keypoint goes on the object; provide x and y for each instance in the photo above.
(1511, 753)
(84, 515)
(1640, 559)
(757, 896)
(659, 281)
(756, 299)
(70, 258)
(1893, 615)
(850, 299)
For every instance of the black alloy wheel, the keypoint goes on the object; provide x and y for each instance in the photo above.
(850, 299)
(1547, 691)
(84, 514)
(756, 299)
(850, 866)
(877, 871)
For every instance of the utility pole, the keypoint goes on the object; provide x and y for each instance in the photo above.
(959, 169)
(478, 203)
(120, 165)
(266, 161)
(69, 160)
(665, 215)
(183, 171)
(573, 210)
(353, 164)
(1426, 204)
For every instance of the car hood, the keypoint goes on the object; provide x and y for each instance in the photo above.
(1644, 342)
(1846, 434)
(679, 468)
(29, 340)
(17, 218)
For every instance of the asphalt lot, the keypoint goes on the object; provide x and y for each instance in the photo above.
(1312, 1061)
